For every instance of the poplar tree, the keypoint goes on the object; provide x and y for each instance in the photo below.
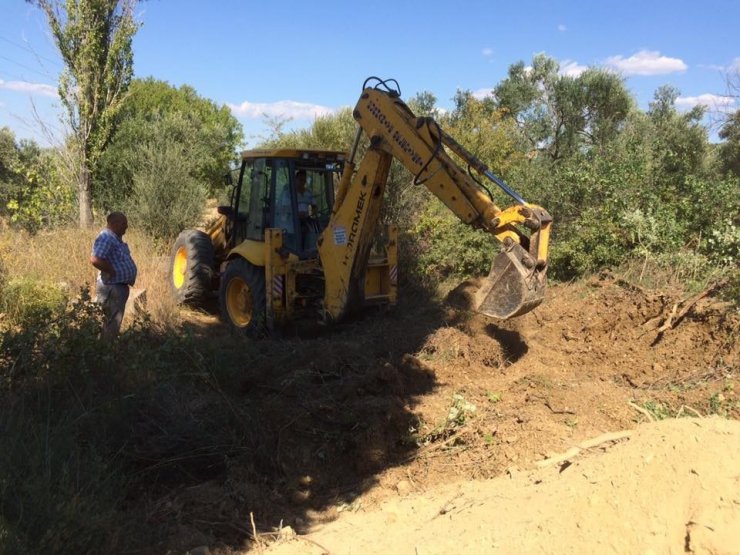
(94, 39)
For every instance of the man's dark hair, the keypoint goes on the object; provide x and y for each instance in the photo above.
(115, 216)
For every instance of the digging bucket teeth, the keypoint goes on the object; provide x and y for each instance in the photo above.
(511, 288)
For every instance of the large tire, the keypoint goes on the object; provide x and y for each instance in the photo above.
(242, 297)
(191, 267)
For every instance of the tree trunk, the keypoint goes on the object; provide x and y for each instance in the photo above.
(85, 196)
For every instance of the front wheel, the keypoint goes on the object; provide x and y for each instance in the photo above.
(242, 297)
(191, 267)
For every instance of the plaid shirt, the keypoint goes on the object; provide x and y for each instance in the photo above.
(110, 247)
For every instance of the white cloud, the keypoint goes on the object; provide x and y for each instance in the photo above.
(487, 52)
(480, 94)
(733, 67)
(283, 109)
(33, 88)
(571, 68)
(646, 62)
(562, 28)
(712, 101)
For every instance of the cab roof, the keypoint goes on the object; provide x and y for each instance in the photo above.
(306, 153)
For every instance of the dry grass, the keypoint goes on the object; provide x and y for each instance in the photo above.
(62, 257)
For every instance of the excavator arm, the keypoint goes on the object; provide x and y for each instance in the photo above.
(517, 279)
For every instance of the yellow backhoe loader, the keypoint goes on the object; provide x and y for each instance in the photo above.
(302, 237)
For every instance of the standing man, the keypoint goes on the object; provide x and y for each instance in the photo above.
(117, 274)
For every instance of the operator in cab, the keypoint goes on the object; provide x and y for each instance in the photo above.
(304, 197)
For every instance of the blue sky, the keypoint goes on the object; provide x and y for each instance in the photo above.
(297, 59)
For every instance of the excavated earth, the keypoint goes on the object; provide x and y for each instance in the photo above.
(603, 421)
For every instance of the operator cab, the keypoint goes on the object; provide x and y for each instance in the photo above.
(287, 189)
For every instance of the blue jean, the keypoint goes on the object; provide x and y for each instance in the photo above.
(113, 297)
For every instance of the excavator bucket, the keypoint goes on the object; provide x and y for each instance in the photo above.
(511, 289)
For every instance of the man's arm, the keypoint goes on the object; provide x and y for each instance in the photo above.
(103, 265)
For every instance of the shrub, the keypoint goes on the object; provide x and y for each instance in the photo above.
(45, 196)
(585, 246)
(26, 300)
(447, 248)
(166, 197)
(723, 243)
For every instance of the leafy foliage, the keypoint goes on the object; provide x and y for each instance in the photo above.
(166, 197)
(11, 173)
(159, 115)
(561, 114)
(26, 300)
(33, 190)
(729, 151)
(170, 149)
(448, 248)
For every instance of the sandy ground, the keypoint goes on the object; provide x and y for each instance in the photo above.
(667, 487)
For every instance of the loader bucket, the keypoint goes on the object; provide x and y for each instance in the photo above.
(511, 289)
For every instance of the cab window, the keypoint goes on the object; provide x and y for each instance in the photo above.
(254, 197)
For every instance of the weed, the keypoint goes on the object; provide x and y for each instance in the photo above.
(493, 397)
(431, 353)
(659, 411)
(722, 405)
(459, 411)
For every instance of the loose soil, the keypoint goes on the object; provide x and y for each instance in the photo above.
(418, 432)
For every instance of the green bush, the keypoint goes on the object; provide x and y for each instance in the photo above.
(166, 197)
(585, 246)
(35, 191)
(723, 243)
(25, 301)
(447, 248)
(47, 337)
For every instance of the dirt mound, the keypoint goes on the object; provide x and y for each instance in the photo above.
(397, 405)
(669, 487)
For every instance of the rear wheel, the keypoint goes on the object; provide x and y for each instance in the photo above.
(191, 267)
(242, 297)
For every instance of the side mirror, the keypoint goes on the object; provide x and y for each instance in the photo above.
(228, 180)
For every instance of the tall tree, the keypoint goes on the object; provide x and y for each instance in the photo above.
(729, 150)
(94, 38)
(156, 114)
(679, 141)
(561, 114)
